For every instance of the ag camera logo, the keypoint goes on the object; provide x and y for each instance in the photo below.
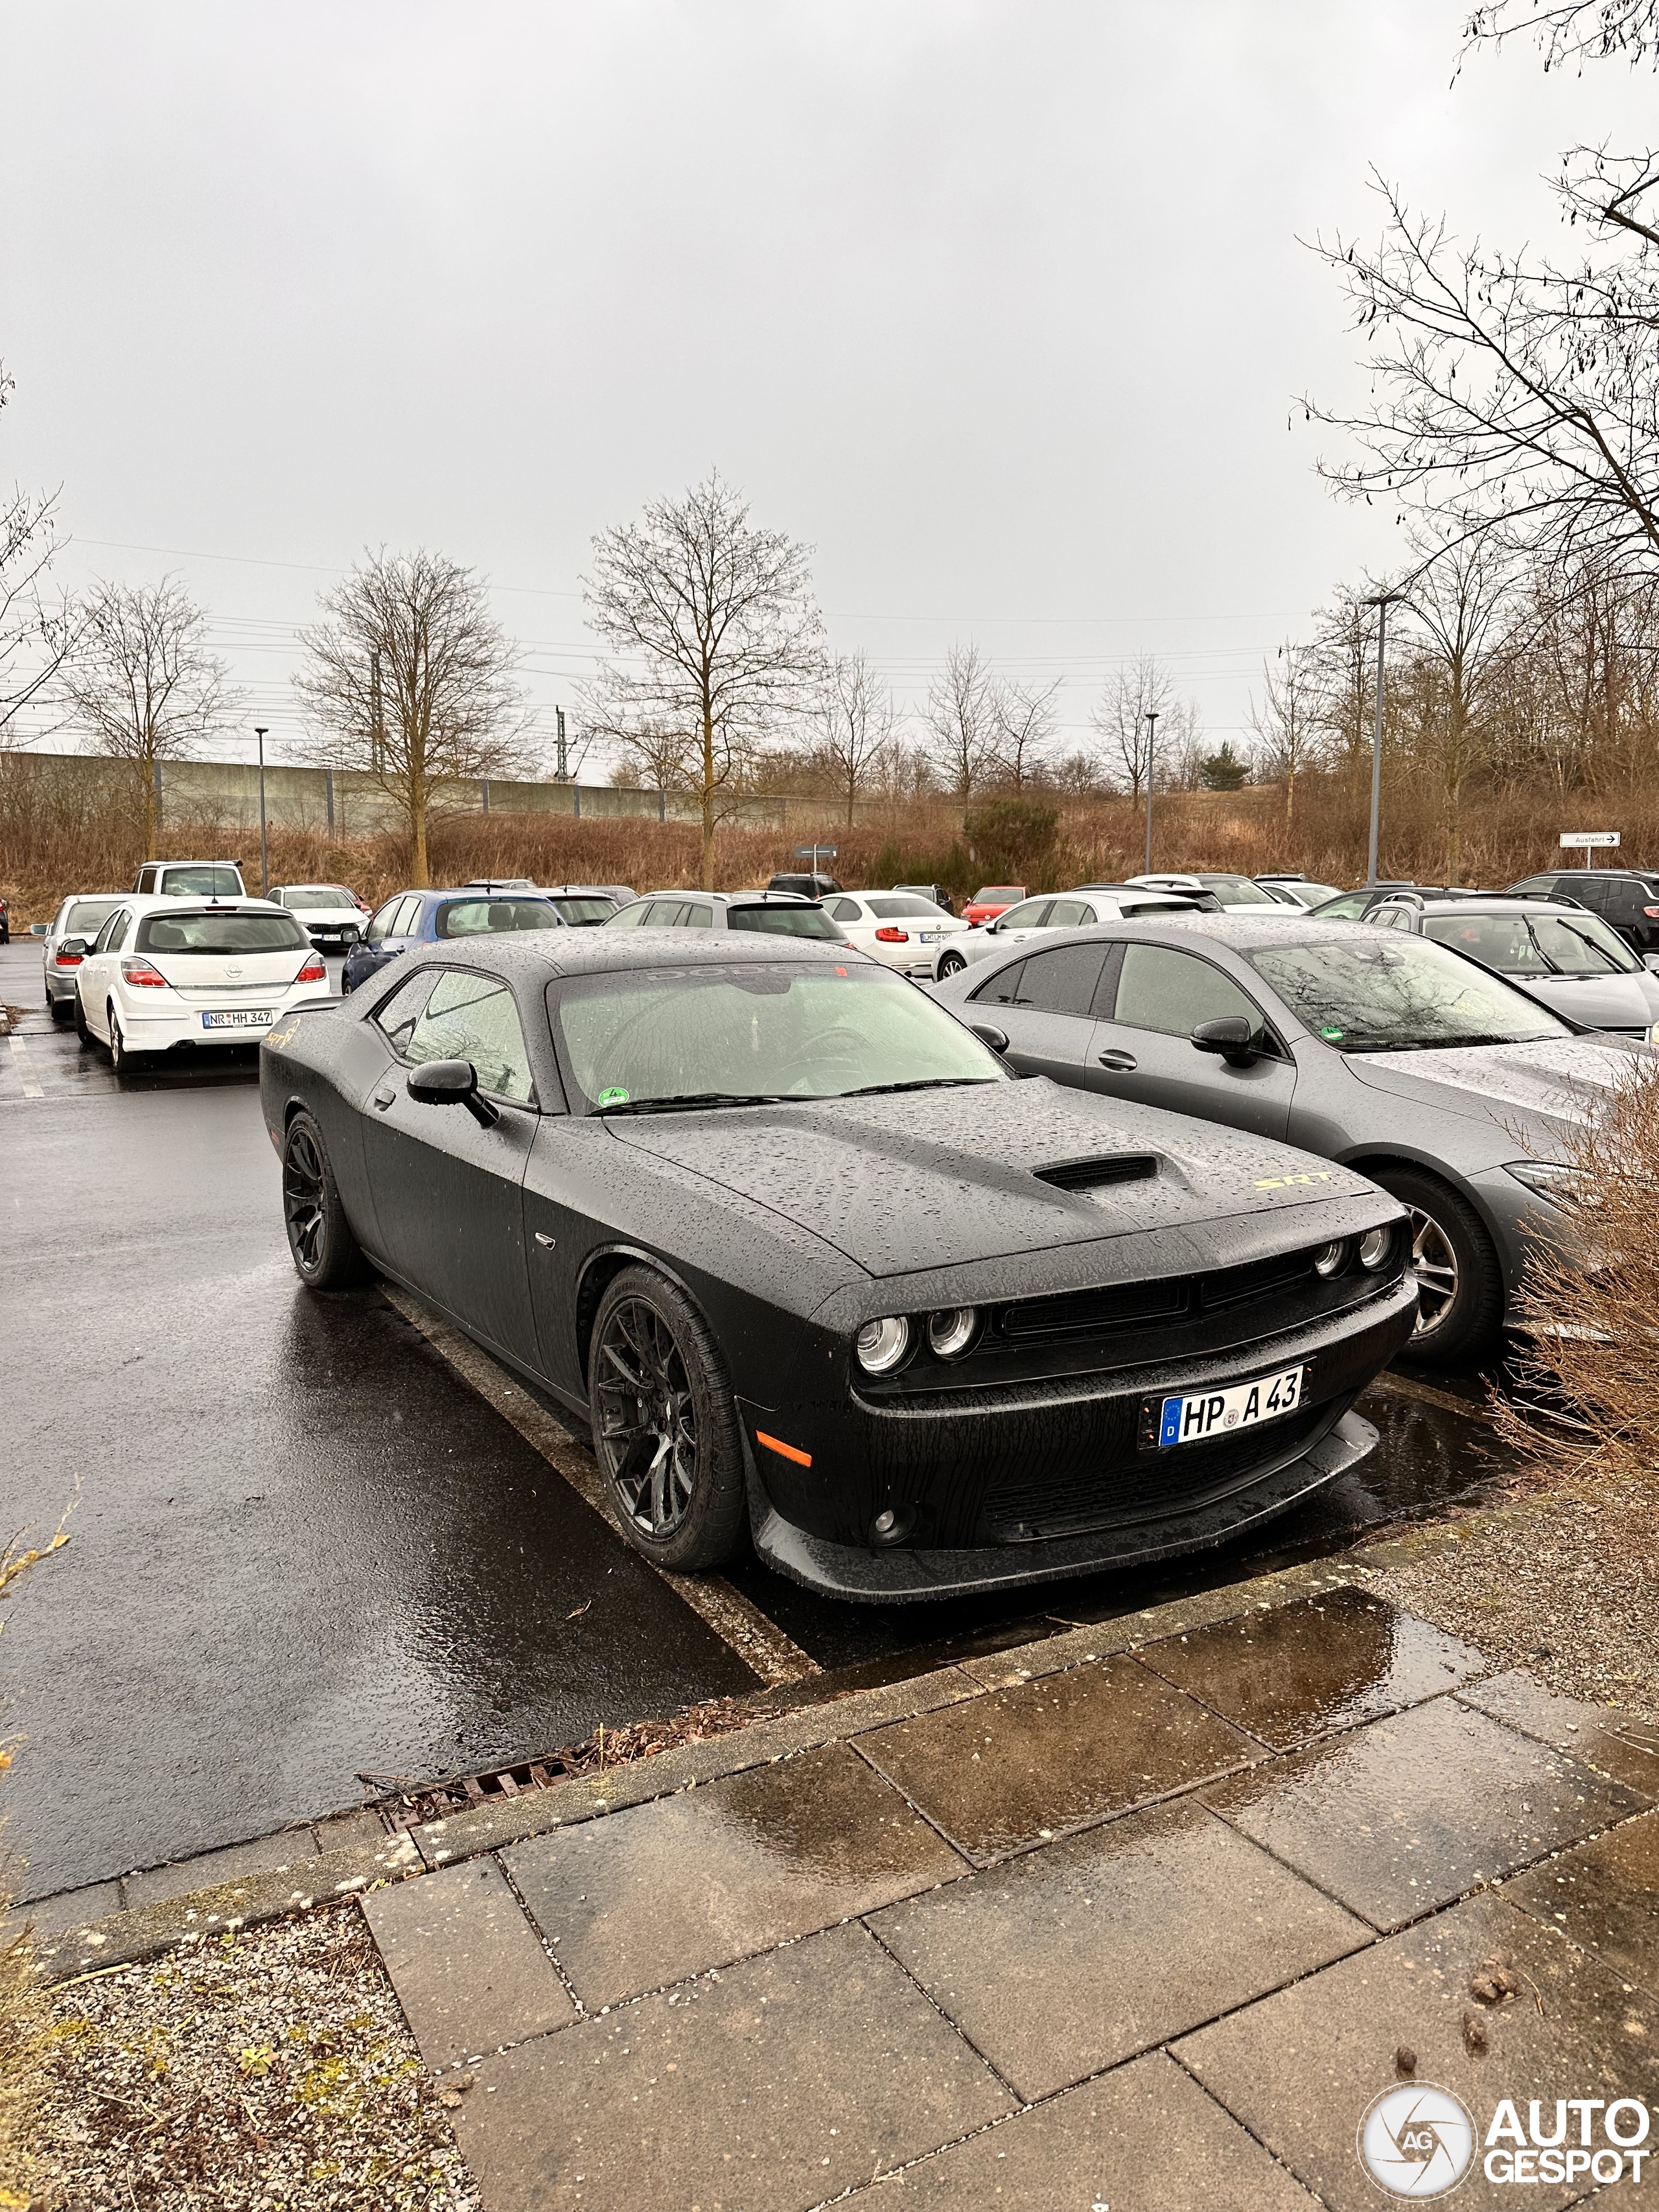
(1417, 2141)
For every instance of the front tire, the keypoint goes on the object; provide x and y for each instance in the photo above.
(950, 963)
(326, 1255)
(664, 1429)
(1460, 1283)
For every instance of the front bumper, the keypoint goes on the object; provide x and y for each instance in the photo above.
(999, 1487)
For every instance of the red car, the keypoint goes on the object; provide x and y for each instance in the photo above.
(996, 898)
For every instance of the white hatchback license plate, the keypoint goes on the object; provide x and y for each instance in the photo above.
(1219, 1413)
(238, 1021)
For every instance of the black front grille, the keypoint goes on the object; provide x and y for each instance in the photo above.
(1145, 1488)
(1232, 1287)
(1129, 1306)
(1097, 1175)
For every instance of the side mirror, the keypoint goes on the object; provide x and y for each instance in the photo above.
(1232, 1036)
(989, 1033)
(451, 1083)
(74, 948)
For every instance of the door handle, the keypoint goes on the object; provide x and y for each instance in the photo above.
(1121, 1063)
(383, 1099)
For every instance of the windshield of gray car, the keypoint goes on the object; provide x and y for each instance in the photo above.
(222, 934)
(649, 1038)
(86, 917)
(1395, 994)
(784, 921)
(481, 917)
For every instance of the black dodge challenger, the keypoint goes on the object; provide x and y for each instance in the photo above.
(817, 1264)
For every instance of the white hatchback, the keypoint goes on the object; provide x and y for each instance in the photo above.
(170, 975)
(899, 928)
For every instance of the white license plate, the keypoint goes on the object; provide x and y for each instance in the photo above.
(928, 936)
(1219, 1413)
(245, 1020)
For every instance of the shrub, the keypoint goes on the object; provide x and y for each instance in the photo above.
(1012, 839)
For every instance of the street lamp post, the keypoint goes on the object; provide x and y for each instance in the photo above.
(1152, 714)
(265, 866)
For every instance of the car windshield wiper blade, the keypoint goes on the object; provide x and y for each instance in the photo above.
(682, 1101)
(1444, 1044)
(922, 1083)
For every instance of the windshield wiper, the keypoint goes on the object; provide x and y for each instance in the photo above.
(1443, 1043)
(923, 1083)
(683, 1102)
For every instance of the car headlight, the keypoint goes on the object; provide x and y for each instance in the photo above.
(1331, 1259)
(951, 1333)
(882, 1344)
(1563, 1186)
(1375, 1247)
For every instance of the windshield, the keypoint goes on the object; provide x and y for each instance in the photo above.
(200, 883)
(225, 935)
(1238, 890)
(1307, 894)
(1536, 944)
(1583, 945)
(482, 917)
(771, 1032)
(785, 921)
(316, 898)
(998, 894)
(86, 917)
(1383, 994)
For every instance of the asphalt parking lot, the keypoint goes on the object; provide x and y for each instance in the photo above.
(304, 1546)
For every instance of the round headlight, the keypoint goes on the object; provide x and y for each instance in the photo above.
(952, 1332)
(1330, 1259)
(1375, 1246)
(882, 1344)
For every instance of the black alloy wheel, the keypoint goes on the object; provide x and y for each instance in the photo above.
(326, 1255)
(1460, 1283)
(950, 963)
(664, 1429)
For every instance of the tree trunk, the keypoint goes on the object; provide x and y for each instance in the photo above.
(419, 875)
(1290, 798)
(147, 773)
(707, 796)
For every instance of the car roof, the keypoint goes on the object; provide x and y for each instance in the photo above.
(553, 953)
(236, 902)
(732, 898)
(1496, 903)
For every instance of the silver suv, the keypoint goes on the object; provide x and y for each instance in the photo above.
(772, 914)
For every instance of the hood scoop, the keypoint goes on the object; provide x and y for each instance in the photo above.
(1096, 1175)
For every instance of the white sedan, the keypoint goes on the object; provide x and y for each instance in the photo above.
(1078, 909)
(899, 928)
(169, 975)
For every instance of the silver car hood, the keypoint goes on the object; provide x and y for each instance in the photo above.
(1560, 1081)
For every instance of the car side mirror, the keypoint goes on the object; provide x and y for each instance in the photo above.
(451, 1083)
(1232, 1036)
(989, 1033)
(75, 948)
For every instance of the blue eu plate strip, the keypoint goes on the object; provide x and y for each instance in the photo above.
(1169, 1431)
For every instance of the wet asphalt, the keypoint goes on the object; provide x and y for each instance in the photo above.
(303, 1549)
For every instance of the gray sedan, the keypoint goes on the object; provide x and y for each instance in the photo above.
(80, 917)
(1384, 1051)
(1549, 949)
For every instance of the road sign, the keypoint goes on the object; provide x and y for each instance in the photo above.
(1578, 838)
(814, 853)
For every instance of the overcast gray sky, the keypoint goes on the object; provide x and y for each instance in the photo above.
(999, 307)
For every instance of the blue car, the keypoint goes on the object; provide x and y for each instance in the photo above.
(410, 919)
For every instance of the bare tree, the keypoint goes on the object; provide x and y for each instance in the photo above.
(1119, 719)
(958, 719)
(143, 683)
(722, 634)
(34, 639)
(1287, 721)
(412, 679)
(1022, 730)
(1460, 602)
(1572, 30)
(855, 721)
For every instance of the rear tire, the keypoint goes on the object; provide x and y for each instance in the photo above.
(664, 1429)
(81, 1029)
(58, 1010)
(1460, 1282)
(124, 1061)
(326, 1255)
(950, 963)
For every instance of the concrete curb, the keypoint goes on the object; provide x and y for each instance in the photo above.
(143, 1932)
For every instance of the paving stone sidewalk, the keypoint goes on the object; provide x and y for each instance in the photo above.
(1142, 1917)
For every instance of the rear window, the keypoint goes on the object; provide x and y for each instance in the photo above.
(87, 916)
(484, 917)
(784, 921)
(200, 883)
(584, 913)
(896, 907)
(220, 934)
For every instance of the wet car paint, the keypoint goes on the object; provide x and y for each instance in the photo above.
(331, 1587)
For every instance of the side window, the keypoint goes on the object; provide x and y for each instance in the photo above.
(698, 917)
(1588, 891)
(664, 913)
(1174, 992)
(1389, 917)
(396, 1015)
(1068, 913)
(472, 1017)
(1027, 916)
(1063, 982)
(629, 917)
(1003, 990)
(111, 934)
(146, 879)
(1345, 909)
(409, 916)
(1537, 886)
(846, 909)
(381, 925)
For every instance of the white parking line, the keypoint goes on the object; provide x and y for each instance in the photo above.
(759, 1642)
(25, 1068)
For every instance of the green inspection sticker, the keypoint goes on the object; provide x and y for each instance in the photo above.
(1332, 1034)
(614, 1096)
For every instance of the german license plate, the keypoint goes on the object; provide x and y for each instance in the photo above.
(260, 1019)
(1220, 1413)
(928, 937)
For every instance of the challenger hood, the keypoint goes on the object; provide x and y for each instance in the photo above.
(939, 1178)
(1559, 1081)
